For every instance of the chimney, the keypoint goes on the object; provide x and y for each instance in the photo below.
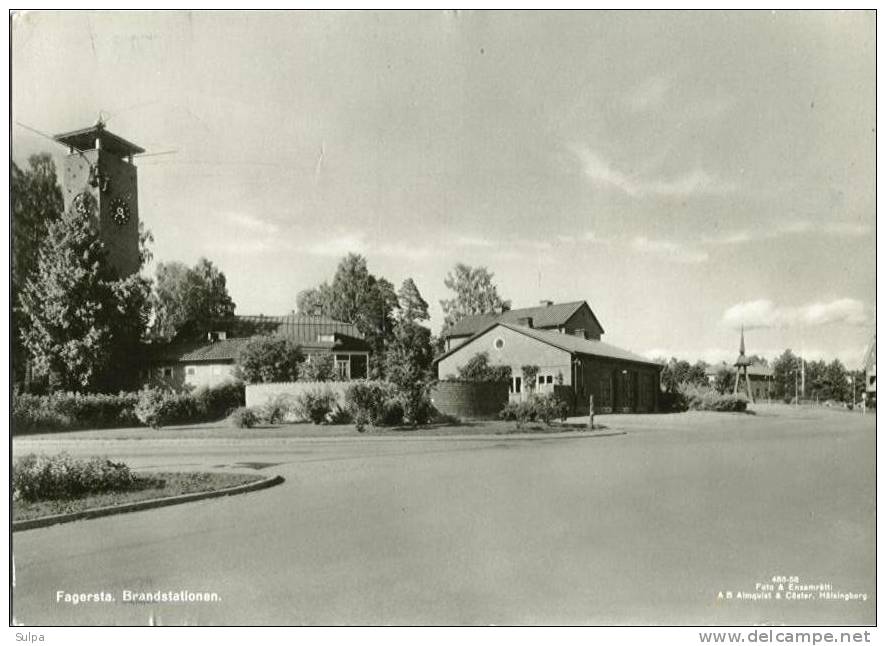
(546, 303)
(526, 321)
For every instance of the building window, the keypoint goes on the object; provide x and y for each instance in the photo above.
(167, 373)
(358, 366)
(343, 366)
(541, 380)
(516, 384)
(549, 379)
(190, 370)
(499, 343)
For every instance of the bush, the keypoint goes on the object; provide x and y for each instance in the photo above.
(340, 415)
(41, 477)
(268, 359)
(415, 401)
(70, 411)
(320, 367)
(478, 369)
(373, 403)
(536, 408)
(158, 407)
(669, 402)
(277, 409)
(315, 404)
(704, 398)
(244, 417)
(218, 402)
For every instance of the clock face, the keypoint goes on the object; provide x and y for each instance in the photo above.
(120, 210)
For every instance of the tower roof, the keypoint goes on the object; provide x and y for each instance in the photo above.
(84, 139)
(742, 360)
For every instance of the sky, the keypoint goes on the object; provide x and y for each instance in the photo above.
(685, 173)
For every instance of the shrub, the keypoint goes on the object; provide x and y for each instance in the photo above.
(217, 402)
(315, 404)
(244, 417)
(415, 401)
(669, 402)
(536, 408)
(269, 359)
(478, 369)
(340, 415)
(41, 477)
(69, 411)
(704, 398)
(158, 407)
(320, 367)
(277, 409)
(373, 403)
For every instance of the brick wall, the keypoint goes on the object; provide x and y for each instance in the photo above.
(470, 400)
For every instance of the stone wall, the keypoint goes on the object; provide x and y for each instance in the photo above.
(470, 400)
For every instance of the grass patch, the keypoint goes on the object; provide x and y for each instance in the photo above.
(155, 485)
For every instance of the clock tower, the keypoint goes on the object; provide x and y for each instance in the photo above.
(99, 177)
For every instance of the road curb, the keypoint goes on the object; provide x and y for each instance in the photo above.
(46, 521)
(367, 437)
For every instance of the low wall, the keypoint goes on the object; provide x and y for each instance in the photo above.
(258, 394)
(470, 400)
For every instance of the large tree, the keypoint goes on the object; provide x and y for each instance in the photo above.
(356, 296)
(35, 201)
(80, 323)
(188, 296)
(785, 370)
(475, 293)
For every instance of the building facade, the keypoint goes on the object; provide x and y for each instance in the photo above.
(619, 380)
(209, 357)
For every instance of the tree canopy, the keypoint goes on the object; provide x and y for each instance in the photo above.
(193, 296)
(475, 293)
(78, 318)
(358, 297)
(269, 359)
(35, 202)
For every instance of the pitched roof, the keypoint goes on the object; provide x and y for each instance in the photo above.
(568, 342)
(194, 351)
(301, 328)
(542, 316)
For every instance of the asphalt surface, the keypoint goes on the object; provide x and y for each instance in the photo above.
(644, 528)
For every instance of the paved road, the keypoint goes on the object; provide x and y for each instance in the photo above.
(641, 528)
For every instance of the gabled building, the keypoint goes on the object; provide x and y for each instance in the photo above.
(567, 351)
(208, 357)
(574, 318)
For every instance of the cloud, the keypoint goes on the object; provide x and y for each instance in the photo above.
(765, 314)
(338, 245)
(787, 228)
(667, 250)
(588, 237)
(471, 241)
(250, 222)
(601, 172)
